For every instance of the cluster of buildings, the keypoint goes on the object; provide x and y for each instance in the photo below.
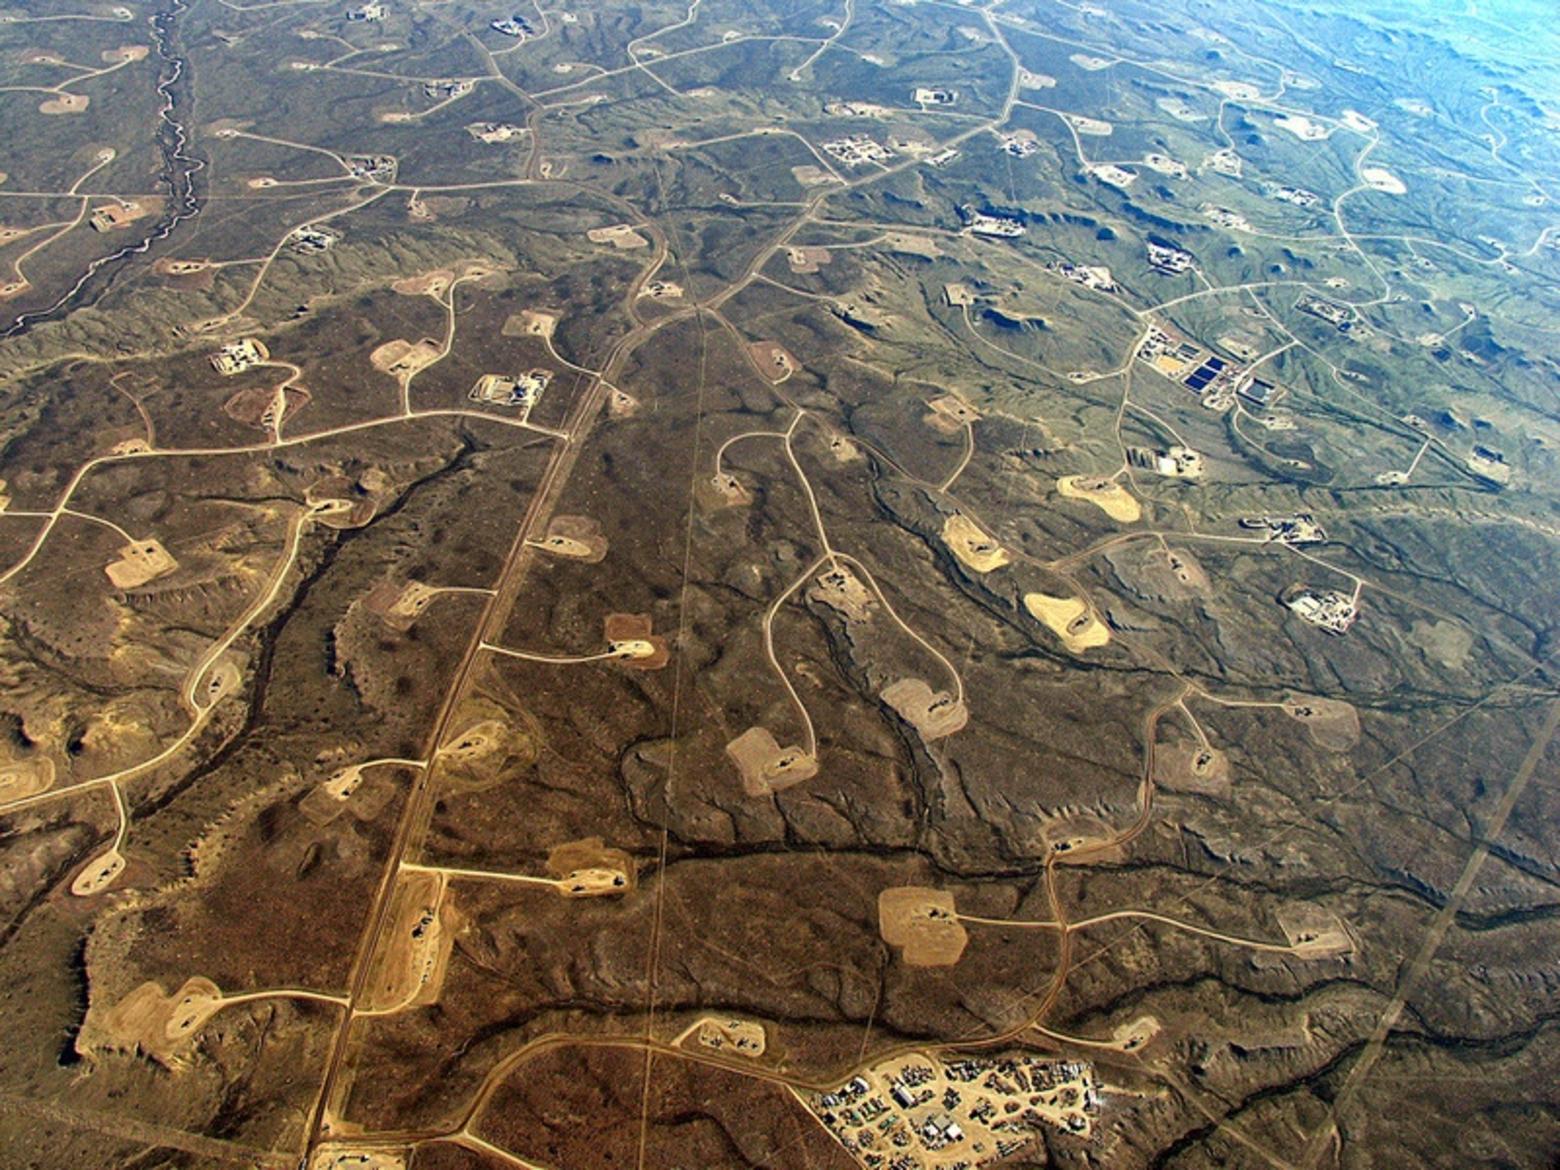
(1092, 276)
(857, 150)
(371, 167)
(1214, 379)
(491, 132)
(1298, 196)
(310, 239)
(237, 356)
(1300, 528)
(522, 390)
(1340, 317)
(446, 90)
(921, 1113)
(1223, 217)
(1019, 145)
(513, 26)
(1174, 463)
(112, 216)
(1324, 608)
(369, 13)
(1168, 259)
(981, 224)
(1112, 175)
(936, 96)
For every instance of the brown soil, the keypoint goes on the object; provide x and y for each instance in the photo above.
(924, 925)
(1190, 767)
(1332, 723)
(773, 360)
(255, 407)
(530, 323)
(932, 713)
(635, 628)
(807, 259)
(950, 414)
(723, 491)
(765, 766)
(431, 284)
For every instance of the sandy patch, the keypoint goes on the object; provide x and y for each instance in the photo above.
(950, 414)
(493, 745)
(1070, 619)
(346, 1156)
(1105, 494)
(1240, 91)
(265, 406)
(1089, 126)
(1383, 180)
(807, 259)
(630, 639)
(428, 284)
(150, 1021)
(621, 236)
(912, 245)
(1314, 932)
(1090, 63)
(138, 563)
(765, 766)
(1302, 127)
(1447, 643)
(408, 969)
(1190, 767)
(809, 175)
(346, 791)
(724, 490)
(576, 538)
(99, 873)
(621, 405)
(530, 323)
(171, 267)
(971, 545)
(774, 362)
(934, 714)
(1332, 723)
(401, 358)
(66, 103)
(13, 289)
(841, 590)
(26, 778)
(1152, 570)
(591, 869)
(923, 924)
(724, 1034)
(125, 53)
